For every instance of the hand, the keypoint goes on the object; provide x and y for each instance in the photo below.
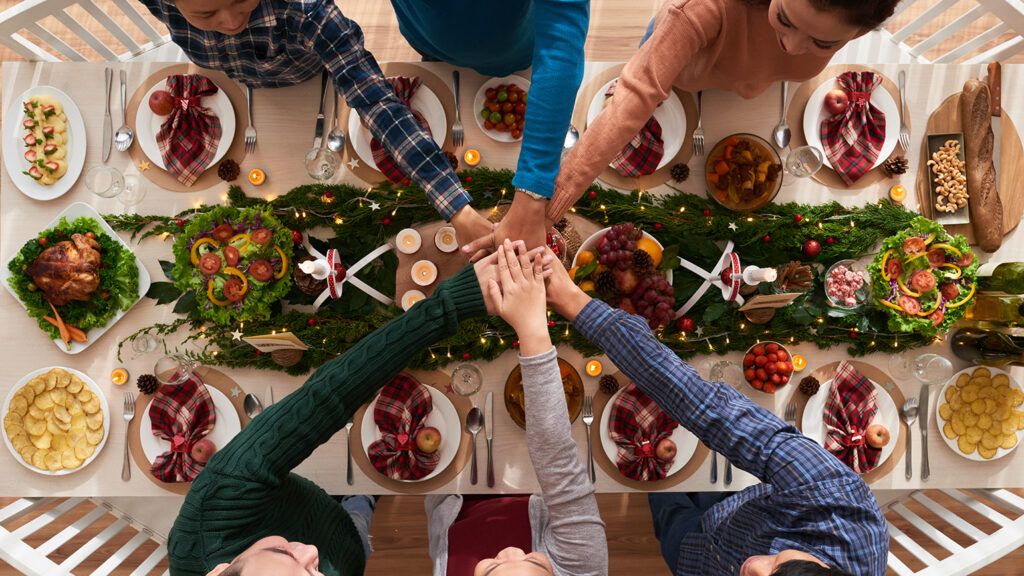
(470, 224)
(520, 297)
(564, 296)
(487, 269)
(526, 221)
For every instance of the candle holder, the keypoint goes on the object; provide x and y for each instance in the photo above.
(446, 240)
(424, 272)
(471, 157)
(411, 297)
(408, 241)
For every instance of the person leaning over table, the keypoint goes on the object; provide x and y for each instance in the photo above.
(274, 43)
(247, 514)
(811, 514)
(562, 527)
(497, 39)
(741, 46)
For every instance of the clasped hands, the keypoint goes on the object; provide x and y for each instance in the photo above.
(526, 221)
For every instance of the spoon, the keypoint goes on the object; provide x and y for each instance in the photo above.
(348, 441)
(252, 405)
(781, 132)
(124, 135)
(571, 137)
(909, 414)
(474, 422)
(336, 138)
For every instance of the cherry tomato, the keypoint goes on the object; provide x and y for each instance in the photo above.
(769, 388)
(893, 267)
(485, 113)
(262, 236)
(949, 290)
(750, 374)
(922, 281)
(771, 367)
(502, 95)
(913, 245)
(759, 384)
(966, 260)
(507, 107)
(43, 241)
(785, 380)
(758, 350)
(513, 96)
(773, 356)
(761, 374)
(516, 133)
(776, 379)
(523, 98)
(231, 255)
(782, 354)
(509, 119)
(520, 108)
(501, 127)
(90, 235)
(760, 361)
(223, 233)
(495, 117)
(748, 360)
(493, 106)
(936, 257)
(910, 305)
(209, 264)
(261, 270)
(488, 125)
(937, 317)
(771, 348)
(491, 93)
(233, 290)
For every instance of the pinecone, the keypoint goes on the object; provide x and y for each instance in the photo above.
(809, 386)
(306, 283)
(453, 160)
(895, 166)
(608, 384)
(228, 170)
(605, 283)
(680, 172)
(147, 383)
(642, 262)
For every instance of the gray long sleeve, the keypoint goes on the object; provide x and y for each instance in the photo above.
(574, 536)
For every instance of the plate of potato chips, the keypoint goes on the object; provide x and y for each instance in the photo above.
(980, 413)
(56, 421)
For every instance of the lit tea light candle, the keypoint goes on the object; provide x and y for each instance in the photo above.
(408, 241)
(594, 368)
(424, 272)
(411, 297)
(445, 240)
(472, 157)
(799, 362)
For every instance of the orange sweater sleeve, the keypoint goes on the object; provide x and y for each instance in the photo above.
(682, 29)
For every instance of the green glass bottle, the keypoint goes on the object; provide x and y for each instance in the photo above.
(988, 347)
(1007, 277)
(997, 308)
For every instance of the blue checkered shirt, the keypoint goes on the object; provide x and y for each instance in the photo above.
(809, 500)
(289, 41)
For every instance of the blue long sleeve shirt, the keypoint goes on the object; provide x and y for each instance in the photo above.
(498, 38)
(809, 500)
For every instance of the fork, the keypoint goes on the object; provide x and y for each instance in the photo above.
(250, 131)
(458, 132)
(790, 414)
(698, 133)
(128, 415)
(909, 415)
(904, 131)
(588, 419)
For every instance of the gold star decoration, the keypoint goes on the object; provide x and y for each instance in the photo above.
(144, 165)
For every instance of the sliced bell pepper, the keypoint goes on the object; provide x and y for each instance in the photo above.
(232, 271)
(284, 264)
(924, 313)
(888, 304)
(906, 290)
(885, 260)
(964, 300)
(209, 294)
(242, 236)
(200, 242)
(958, 253)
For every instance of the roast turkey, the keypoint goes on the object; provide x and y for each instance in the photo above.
(68, 270)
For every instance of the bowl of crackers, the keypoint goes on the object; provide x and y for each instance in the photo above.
(979, 413)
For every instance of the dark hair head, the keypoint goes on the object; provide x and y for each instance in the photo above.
(805, 568)
(866, 14)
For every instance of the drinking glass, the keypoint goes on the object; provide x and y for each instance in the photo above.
(804, 162)
(144, 344)
(104, 181)
(467, 379)
(322, 164)
(726, 372)
(134, 191)
(932, 368)
(173, 369)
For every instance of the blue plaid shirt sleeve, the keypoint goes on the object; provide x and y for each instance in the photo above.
(339, 42)
(751, 437)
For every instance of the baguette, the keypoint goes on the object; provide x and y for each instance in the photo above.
(985, 207)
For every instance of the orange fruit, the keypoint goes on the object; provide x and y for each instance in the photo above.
(584, 257)
(651, 247)
(119, 376)
(588, 286)
(572, 273)
(799, 362)
(257, 176)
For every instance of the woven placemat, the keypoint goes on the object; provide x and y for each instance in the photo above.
(795, 118)
(236, 152)
(212, 378)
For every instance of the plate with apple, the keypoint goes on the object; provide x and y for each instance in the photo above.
(679, 447)
(829, 99)
(227, 427)
(158, 103)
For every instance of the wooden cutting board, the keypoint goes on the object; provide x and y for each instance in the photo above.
(946, 119)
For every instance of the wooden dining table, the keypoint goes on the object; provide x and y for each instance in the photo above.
(285, 119)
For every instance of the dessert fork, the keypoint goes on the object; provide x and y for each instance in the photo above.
(904, 130)
(790, 414)
(698, 133)
(128, 415)
(588, 419)
(458, 132)
(250, 131)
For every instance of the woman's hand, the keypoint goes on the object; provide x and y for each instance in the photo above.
(563, 295)
(469, 224)
(526, 221)
(519, 295)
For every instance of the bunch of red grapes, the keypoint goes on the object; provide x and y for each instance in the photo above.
(654, 299)
(615, 250)
(505, 109)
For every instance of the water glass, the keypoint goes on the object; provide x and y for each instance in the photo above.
(322, 164)
(467, 380)
(932, 368)
(173, 369)
(804, 162)
(134, 190)
(104, 181)
(144, 344)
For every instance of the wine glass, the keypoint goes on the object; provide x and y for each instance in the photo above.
(104, 181)
(932, 368)
(174, 369)
(322, 164)
(467, 379)
(804, 161)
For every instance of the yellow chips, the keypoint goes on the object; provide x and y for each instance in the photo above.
(982, 413)
(55, 422)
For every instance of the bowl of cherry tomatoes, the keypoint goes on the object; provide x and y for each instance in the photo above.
(501, 107)
(767, 366)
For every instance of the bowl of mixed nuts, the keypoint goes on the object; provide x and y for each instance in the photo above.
(947, 171)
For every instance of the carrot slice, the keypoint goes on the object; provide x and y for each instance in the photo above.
(77, 334)
(64, 334)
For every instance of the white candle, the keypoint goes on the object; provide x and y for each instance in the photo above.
(318, 269)
(445, 240)
(408, 241)
(411, 297)
(424, 272)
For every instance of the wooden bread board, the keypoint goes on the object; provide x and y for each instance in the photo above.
(946, 119)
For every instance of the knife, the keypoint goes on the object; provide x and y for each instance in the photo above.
(995, 88)
(924, 431)
(319, 134)
(270, 395)
(108, 125)
(489, 431)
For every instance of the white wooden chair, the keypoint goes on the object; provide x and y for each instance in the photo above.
(889, 45)
(980, 547)
(29, 554)
(52, 44)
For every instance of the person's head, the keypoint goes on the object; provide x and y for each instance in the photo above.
(225, 16)
(273, 556)
(823, 26)
(787, 563)
(515, 562)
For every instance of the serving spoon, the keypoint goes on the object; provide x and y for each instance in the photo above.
(781, 133)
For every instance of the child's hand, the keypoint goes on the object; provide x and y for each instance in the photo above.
(519, 296)
(487, 269)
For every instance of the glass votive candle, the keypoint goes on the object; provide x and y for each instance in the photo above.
(594, 368)
(471, 156)
(424, 272)
(411, 297)
(408, 241)
(445, 240)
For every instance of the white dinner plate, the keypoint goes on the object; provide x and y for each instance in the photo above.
(481, 96)
(424, 101)
(880, 97)
(670, 115)
(147, 124)
(686, 442)
(77, 210)
(939, 421)
(813, 424)
(14, 148)
(444, 417)
(92, 388)
(226, 427)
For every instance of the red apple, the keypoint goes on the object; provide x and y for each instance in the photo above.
(666, 450)
(876, 436)
(161, 102)
(428, 440)
(203, 450)
(836, 101)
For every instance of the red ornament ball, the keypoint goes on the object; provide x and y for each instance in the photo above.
(311, 321)
(551, 323)
(180, 223)
(707, 211)
(329, 195)
(386, 221)
(798, 218)
(853, 334)
(259, 352)
(296, 237)
(657, 225)
(406, 182)
(515, 344)
(812, 248)
(469, 179)
(767, 238)
(467, 356)
(593, 195)
(830, 240)
(686, 324)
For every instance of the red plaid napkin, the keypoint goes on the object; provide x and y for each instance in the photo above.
(636, 425)
(853, 139)
(189, 137)
(402, 408)
(643, 152)
(182, 415)
(405, 88)
(848, 412)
